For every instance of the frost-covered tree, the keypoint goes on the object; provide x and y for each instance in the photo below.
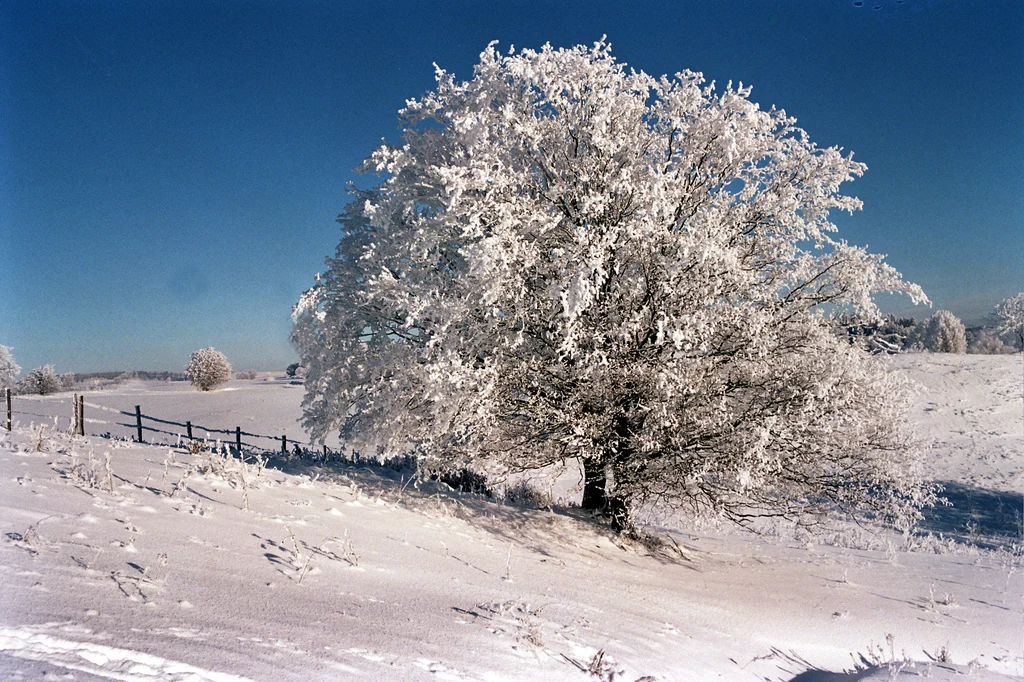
(9, 369)
(42, 380)
(987, 342)
(566, 259)
(944, 333)
(1010, 318)
(208, 369)
(885, 334)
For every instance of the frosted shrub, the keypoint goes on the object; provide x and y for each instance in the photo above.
(42, 380)
(944, 333)
(9, 369)
(208, 369)
(568, 259)
(1010, 317)
(987, 342)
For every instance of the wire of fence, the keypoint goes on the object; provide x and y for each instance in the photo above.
(189, 429)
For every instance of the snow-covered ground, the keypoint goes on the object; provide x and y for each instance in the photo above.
(145, 562)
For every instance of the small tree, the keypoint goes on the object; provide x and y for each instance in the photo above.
(208, 369)
(42, 380)
(9, 369)
(944, 333)
(1010, 316)
(566, 259)
(987, 342)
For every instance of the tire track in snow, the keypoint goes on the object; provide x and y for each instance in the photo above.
(103, 661)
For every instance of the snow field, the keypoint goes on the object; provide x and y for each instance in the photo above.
(166, 565)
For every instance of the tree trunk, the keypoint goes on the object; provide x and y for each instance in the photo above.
(593, 484)
(606, 472)
(597, 498)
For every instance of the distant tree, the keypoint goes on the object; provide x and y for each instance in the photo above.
(1010, 318)
(987, 342)
(9, 369)
(944, 333)
(208, 369)
(249, 374)
(566, 259)
(885, 334)
(42, 380)
(292, 369)
(67, 381)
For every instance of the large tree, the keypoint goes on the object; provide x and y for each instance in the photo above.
(9, 369)
(566, 259)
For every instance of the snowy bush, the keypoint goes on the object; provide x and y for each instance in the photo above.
(9, 369)
(987, 342)
(944, 333)
(566, 259)
(1010, 316)
(42, 380)
(67, 381)
(208, 369)
(251, 374)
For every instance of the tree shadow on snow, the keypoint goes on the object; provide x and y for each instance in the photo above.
(538, 529)
(982, 517)
(826, 676)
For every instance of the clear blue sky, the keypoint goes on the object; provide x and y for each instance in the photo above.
(170, 171)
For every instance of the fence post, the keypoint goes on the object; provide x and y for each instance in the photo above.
(325, 452)
(238, 440)
(284, 445)
(188, 427)
(138, 421)
(8, 409)
(81, 414)
(74, 404)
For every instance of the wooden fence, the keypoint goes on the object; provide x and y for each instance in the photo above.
(140, 423)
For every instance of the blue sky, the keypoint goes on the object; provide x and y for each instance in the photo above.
(170, 171)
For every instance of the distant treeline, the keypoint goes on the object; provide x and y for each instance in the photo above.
(124, 376)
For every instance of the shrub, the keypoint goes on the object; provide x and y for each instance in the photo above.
(9, 369)
(251, 374)
(944, 333)
(208, 369)
(42, 380)
(291, 369)
(1010, 314)
(987, 342)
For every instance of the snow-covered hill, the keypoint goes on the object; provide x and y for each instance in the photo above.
(146, 562)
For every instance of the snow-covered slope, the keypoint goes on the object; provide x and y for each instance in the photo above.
(166, 565)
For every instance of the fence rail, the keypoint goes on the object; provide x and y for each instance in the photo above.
(139, 422)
